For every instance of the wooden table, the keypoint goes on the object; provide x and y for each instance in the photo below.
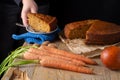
(36, 72)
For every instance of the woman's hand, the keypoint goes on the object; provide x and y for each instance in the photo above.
(28, 6)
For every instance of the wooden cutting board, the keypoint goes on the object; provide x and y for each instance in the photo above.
(37, 72)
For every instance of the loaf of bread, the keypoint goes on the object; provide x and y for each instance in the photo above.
(93, 31)
(42, 22)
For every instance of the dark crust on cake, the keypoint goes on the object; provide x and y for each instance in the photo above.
(53, 24)
(103, 39)
(108, 33)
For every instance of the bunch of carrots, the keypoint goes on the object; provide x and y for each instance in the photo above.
(49, 56)
(61, 59)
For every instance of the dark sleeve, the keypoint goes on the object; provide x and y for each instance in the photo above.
(18, 2)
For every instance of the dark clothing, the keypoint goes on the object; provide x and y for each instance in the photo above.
(9, 1)
(75, 10)
(10, 15)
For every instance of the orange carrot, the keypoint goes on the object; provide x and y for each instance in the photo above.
(59, 63)
(30, 56)
(45, 43)
(45, 53)
(68, 54)
(62, 64)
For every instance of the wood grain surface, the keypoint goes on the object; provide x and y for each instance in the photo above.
(37, 72)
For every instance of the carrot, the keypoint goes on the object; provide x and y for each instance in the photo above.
(52, 45)
(68, 54)
(45, 53)
(61, 64)
(54, 62)
(48, 61)
(37, 51)
(30, 56)
(45, 43)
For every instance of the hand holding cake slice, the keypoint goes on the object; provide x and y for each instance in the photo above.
(42, 22)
